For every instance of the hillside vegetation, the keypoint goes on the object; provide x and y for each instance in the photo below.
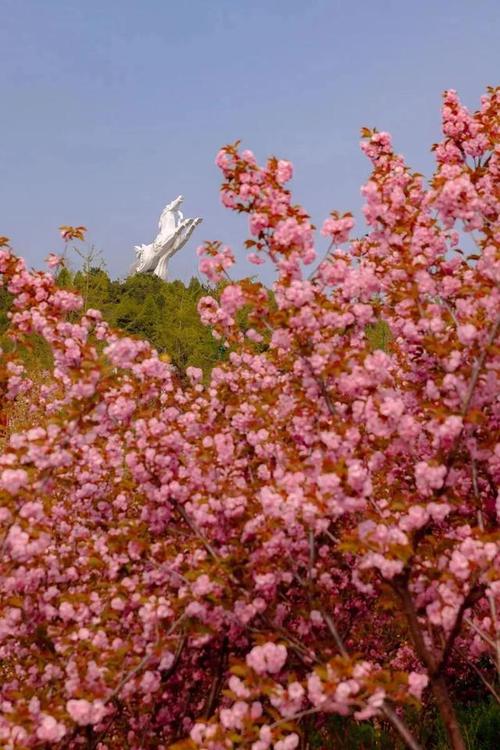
(164, 313)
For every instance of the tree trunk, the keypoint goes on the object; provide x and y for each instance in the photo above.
(448, 715)
(436, 678)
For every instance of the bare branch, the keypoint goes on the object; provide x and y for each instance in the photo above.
(400, 727)
(335, 633)
(475, 593)
(311, 555)
(483, 679)
(438, 684)
(490, 597)
(217, 683)
(476, 370)
(194, 528)
(167, 673)
(480, 632)
(139, 667)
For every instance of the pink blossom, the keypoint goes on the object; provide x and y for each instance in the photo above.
(67, 611)
(258, 222)
(291, 232)
(160, 527)
(284, 172)
(270, 657)
(257, 260)
(248, 156)
(50, 730)
(223, 160)
(215, 261)
(338, 229)
(13, 480)
(467, 333)
(84, 712)
(232, 299)
(289, 743)
(416, 518)
(429, 477)
(195, 374)
(417, 682)
(53, 260)
(150, 681)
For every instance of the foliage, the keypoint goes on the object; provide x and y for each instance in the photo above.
(5, 303)
(480, 723)
(35, 353)
(164, 313)
(310, 533)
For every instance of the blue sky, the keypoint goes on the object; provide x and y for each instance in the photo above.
(110, 108)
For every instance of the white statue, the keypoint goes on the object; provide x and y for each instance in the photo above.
(174, 232)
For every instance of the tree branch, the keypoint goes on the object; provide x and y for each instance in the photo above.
(490, 598)
(217, 683)
(139, 667)
(483, 679)
(400, 727)
(475, 593)
(335, 633)
(438, 684)
(167, 673)
(476, 370)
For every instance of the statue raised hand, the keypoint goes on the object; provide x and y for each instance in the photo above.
(173, 235)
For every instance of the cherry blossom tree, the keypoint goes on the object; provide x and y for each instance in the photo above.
(313, 530)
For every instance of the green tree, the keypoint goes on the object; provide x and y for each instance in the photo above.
(143, 305)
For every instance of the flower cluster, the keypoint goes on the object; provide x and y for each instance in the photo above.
(311, 528)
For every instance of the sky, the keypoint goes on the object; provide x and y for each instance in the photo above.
(111, 108)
